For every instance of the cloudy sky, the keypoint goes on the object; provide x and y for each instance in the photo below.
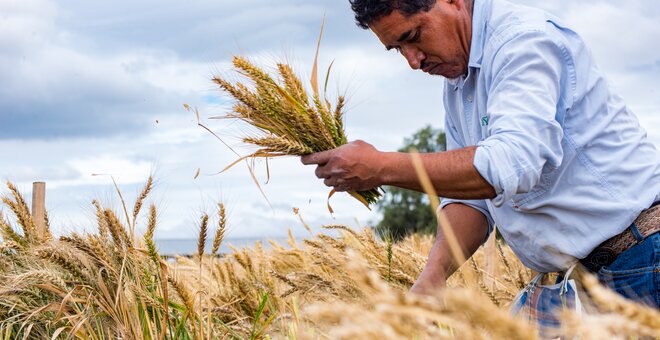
(91, 87)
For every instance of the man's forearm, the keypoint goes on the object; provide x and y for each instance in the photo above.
(452, 173)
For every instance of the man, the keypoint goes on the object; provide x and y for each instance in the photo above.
(538, 143)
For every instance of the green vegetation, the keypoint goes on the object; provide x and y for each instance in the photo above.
(404, 211)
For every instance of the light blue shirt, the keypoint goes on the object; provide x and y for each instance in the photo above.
(569, 162)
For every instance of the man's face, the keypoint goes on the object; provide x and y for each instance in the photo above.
(436, 42)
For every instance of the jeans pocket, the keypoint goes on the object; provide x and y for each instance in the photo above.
(639, 284)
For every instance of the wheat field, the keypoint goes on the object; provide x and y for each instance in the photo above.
(112, 284)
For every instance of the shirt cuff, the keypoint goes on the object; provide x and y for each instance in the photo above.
(479, 205)
(492, 163)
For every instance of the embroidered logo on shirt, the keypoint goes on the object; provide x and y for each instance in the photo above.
(484, 120)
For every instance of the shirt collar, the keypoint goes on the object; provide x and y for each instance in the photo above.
(455, 82)
(480, 15)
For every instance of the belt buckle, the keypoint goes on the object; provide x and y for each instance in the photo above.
(601, 256)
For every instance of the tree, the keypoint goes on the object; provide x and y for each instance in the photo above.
(405, 211)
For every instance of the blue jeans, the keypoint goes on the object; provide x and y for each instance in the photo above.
(635, 273)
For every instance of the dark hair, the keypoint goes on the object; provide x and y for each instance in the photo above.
(366, 11)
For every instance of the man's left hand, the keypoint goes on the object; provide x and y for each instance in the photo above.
(355, 166)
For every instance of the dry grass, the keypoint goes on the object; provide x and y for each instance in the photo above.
(110, 284)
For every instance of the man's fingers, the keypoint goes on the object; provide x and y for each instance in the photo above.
(321, 172)
(333, 182)
(306, 159)
(316, 158)
(339, 184)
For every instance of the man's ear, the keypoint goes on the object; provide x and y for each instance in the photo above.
(459, 3)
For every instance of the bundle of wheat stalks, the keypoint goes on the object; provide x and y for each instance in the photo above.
(288, 119)
(110, 284)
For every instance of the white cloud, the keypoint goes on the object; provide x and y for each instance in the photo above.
(98, 75)
(23, 25)
(92, 169)
(621, 35)
(54, 88)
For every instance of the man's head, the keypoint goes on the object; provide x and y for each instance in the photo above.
(433, 35)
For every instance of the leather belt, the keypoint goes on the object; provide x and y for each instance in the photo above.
(647, 224)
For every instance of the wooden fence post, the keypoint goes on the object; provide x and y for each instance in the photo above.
(39, 207)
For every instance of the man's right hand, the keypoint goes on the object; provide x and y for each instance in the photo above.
(426, 284)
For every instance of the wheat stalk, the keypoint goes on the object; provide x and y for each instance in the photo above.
(289, 121)
(220, 232)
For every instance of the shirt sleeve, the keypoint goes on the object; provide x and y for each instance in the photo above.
(453, 143)
(523, 95)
